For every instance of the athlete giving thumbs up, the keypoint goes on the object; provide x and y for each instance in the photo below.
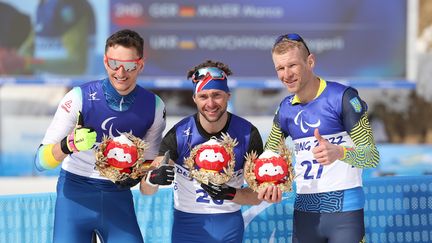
(333, 142)
(88, 202)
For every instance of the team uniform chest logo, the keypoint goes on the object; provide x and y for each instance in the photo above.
(301, 120)
(108, 127)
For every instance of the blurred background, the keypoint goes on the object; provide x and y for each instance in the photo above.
(382, 48)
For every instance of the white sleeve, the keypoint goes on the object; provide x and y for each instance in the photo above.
(65, 117)
(153, 136)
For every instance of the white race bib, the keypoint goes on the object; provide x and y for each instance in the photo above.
(312, 177)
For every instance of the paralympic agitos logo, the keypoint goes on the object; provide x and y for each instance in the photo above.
(304, 125)
(109, 126)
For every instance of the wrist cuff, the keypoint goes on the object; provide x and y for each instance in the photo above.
(344, 153)
(71, 143)
(64, 147)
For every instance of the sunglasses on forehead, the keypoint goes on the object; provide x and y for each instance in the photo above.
(128, 65)
(212, 72)
(292, 37)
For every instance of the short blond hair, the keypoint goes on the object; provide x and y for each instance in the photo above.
(286, 45)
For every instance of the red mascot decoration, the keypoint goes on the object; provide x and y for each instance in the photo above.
(270, 167)
(212, 156)
(121, 153)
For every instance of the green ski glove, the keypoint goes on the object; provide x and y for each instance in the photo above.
(80, 139)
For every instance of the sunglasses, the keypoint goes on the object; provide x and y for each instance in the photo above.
(292, 37)
(208, 72)
(128, 65)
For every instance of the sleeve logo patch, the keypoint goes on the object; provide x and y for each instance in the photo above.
(355, 103)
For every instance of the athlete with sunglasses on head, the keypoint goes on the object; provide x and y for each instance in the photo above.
(208, 213)
(86, 201)
(328, 124)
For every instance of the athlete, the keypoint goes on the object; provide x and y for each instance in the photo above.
(63, 40)
(11, 41)
(208, 213)
(86, 201)
(333, 142)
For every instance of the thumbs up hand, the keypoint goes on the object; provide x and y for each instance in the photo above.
(80, 139)
(325, 152)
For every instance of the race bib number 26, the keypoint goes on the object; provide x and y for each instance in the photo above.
(203, 197)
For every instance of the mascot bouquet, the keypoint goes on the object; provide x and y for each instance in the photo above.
(269, 168)
(122, 157)
(212, 161)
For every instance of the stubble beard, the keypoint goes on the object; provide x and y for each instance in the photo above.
(213, 120)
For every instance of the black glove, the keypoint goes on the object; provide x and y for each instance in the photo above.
(128, 182)
(219, 192)
(164, 175)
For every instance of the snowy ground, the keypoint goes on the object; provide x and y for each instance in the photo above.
(26, 185)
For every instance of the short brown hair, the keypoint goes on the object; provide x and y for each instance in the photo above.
(127, 38)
